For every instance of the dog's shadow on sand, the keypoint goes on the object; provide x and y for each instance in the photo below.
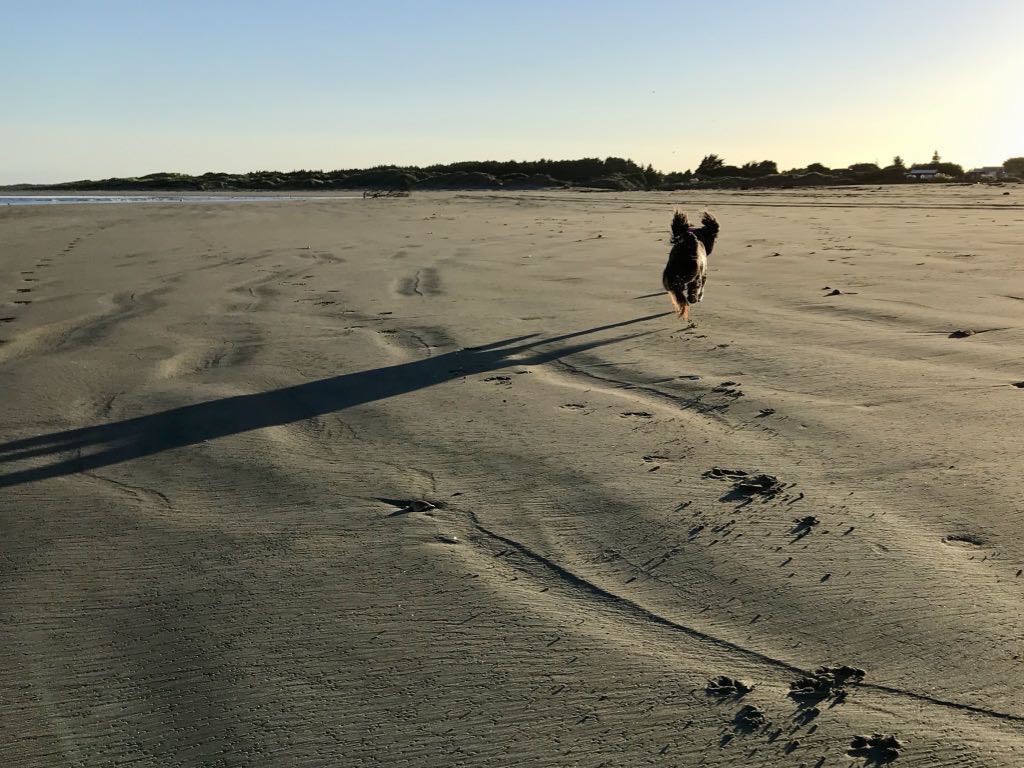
(89, 448)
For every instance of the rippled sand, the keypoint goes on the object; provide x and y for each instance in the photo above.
(430, 481)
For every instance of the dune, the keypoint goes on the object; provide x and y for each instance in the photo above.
(440, 481)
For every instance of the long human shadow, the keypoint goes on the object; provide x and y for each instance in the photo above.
(120, 441)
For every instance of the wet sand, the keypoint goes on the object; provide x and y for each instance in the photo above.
(438, 481)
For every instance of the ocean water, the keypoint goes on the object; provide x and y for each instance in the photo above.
(192, 199)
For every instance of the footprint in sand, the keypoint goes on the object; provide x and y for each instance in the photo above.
(877, 748)
(573, 407)
(749, 719)
(24, 290)
(827, 682)
(724, 685)
(963, 540)
(636, 414)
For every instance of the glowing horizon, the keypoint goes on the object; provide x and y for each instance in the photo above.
(118, 90)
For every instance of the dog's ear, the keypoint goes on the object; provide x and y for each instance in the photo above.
(680, 225)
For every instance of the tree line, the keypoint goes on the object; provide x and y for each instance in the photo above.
(608, 173)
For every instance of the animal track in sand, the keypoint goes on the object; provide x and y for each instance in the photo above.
(728, 389)
(877, 748)
(550, 573)
(750, 718)
(727, 686)
(747, 485)
(827, 682)
(963, 540)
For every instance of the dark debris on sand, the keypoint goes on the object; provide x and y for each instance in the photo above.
(877, 748)
(747, 484)
(961, 334)
(828, 681)
(727, 686)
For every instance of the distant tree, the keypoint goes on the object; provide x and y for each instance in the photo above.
(710, 165)
(817, 168)
(864, 168)
(947, 169)
(935, 158)
(652, 178)
(897, 162)
(758, 169)
(1015, 167)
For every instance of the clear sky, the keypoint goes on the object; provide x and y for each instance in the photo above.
(97, 88)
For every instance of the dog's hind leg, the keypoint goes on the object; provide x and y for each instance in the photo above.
(679, 308)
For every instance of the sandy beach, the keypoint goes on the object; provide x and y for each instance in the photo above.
(440, 481)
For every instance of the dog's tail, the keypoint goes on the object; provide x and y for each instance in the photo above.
(678, 297)
(709, 223)
(708, 231)
(680, 226)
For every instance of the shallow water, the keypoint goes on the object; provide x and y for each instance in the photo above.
(121, 199)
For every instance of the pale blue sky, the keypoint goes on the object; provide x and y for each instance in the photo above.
(111, 88)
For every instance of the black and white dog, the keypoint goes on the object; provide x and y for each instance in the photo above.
(687, 268)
